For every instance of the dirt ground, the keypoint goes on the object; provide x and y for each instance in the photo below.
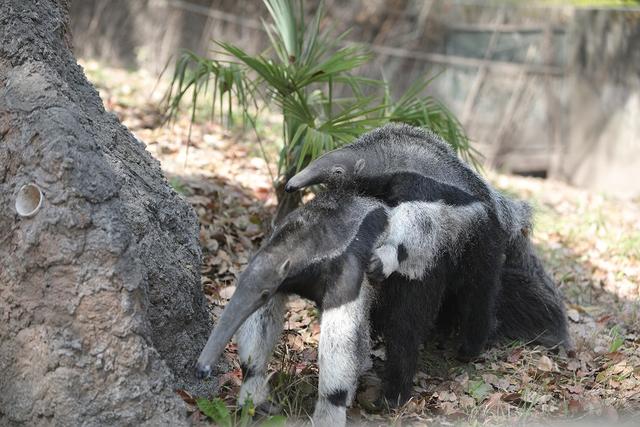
(590, 242)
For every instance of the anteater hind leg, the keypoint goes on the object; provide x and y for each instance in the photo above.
(341, 358)
(256, 339)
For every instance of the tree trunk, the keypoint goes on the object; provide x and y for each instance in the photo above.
(101, 309)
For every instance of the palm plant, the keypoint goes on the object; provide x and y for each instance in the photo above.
(301, 73)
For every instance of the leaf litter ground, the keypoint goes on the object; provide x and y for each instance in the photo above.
(590, 242)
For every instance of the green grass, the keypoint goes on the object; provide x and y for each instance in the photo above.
(178, 186)
(228, 416)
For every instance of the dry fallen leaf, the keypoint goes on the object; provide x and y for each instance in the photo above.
(573, 315)
(186, 396)
(545, 364)
(227, 292)
(295, 342)
(575, 407)
(515, 355)
(467, 401)
(495, 403)
(447, 396)
(514, 398)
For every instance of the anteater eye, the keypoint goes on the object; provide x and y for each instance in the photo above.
(337, 170)
(265, 294)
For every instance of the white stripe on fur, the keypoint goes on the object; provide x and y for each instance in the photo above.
(341, 357)
(427, 230)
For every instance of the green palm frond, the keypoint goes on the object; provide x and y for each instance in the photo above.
(300, 76)
(287, 25)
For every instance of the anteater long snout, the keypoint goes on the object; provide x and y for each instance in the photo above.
(313, 174)
(241, 306)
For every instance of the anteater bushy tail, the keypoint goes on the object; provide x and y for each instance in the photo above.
(530, 306)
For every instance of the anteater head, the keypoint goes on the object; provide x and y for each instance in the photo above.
(329, 228)
(338, 166)
(256, 285)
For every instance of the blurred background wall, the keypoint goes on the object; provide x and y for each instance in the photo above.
(549, 91)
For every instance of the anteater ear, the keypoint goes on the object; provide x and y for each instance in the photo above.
(359, 166)
(284, 268)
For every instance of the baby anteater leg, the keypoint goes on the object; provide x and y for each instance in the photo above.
(480, 269)
(403, 337)
(341, 358)
(410, 313)
(256, 339)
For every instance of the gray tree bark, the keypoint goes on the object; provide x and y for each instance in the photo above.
(102, 314)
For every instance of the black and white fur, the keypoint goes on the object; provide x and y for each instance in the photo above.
(450, 231)
(320, 251)
(444, 213)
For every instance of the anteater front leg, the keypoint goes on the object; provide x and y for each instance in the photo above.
(256, 339)
(342, 356)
